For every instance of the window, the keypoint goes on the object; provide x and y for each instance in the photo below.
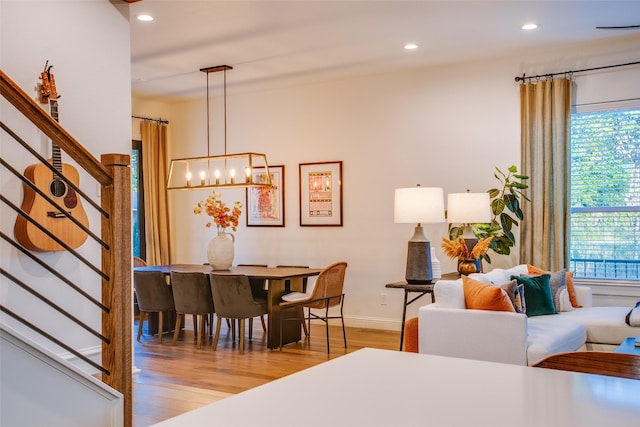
(605, 194)
(137, 201)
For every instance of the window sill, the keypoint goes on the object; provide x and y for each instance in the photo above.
(629, 288)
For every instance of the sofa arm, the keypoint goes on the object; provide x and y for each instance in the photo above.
(495, 336)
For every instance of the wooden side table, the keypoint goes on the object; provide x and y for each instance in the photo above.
(422, 290)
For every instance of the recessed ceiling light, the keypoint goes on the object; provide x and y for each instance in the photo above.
(145, 18)
(529, 27)
(410, 46)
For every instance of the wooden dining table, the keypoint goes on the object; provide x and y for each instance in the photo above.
(275, 277)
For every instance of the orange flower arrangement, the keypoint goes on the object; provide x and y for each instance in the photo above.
(457, 248)
(222, 215)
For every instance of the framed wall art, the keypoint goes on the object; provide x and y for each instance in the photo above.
(265, 205)
(321, 194)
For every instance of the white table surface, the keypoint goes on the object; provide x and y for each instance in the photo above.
(372, 387)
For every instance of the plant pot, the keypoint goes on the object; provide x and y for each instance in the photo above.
(469, 266)
(221, 251)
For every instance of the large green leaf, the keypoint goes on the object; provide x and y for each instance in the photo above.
(497, 206)
(511, 202)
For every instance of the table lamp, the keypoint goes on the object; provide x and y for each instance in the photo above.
(419, 205)
(466, 209)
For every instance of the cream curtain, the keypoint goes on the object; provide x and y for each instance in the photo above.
(545, 108)
(156, 210)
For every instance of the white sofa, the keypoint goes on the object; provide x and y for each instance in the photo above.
(447, 328)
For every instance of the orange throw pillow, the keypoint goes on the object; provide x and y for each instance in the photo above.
(569, 279)
(481, 296)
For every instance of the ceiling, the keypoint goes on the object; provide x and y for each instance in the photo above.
(272, 44)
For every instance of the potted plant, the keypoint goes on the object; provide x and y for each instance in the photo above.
(506, 213)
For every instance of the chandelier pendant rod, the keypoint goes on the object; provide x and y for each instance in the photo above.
(180, 171)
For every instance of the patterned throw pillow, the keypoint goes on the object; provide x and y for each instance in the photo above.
(515, 292)
(537, 290)
(633, 317)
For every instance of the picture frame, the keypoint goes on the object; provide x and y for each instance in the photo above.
(321, 194)
(265, 206)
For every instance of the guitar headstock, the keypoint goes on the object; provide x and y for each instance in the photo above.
(48, 85)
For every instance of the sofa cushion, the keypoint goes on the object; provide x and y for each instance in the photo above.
(499, 276)
(449, 294)
(547, 335)
(537, 294)
(605, 325)
(480, 296)
(558, 283)
(568, 279)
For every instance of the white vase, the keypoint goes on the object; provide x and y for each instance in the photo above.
(220, 251)
(436, 269)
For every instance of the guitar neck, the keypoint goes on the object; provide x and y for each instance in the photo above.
(56, 155)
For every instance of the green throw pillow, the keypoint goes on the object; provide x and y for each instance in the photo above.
(537, 292)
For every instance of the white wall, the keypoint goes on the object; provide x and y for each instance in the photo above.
(88, 45)
(446, 126)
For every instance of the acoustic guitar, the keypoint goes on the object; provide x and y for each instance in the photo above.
(43, 212)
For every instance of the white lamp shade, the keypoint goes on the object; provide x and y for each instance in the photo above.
(468, 208)
(419, 204)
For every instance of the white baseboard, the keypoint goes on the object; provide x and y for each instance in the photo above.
(367, 323)
(372, 323)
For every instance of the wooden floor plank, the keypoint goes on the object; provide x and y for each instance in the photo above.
(181, 378)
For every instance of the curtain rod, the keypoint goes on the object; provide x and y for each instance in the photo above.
(164, 122)
(523, 78)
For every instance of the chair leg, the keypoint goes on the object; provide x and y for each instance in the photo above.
(250, 328)
(176, 330)
(195, 324)
(201, 331)
(326, 322)
(280, 326)
(344, 333)
(217, 337)
(160, 327)
(241, 336)
(264, 324)
(143, 314)
(304, 324)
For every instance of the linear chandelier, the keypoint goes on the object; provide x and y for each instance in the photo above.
(219, 171)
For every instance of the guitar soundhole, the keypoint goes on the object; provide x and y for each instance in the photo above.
(58, 188)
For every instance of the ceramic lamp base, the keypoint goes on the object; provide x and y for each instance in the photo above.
(419, 263)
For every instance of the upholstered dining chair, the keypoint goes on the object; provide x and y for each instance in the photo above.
(192, 295)
(154, 296)
(287, 288)
(137, 262)
(595, 362)
(259, 292)
(233, 300)
(327, 292)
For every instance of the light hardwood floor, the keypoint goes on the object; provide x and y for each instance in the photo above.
(181, 378)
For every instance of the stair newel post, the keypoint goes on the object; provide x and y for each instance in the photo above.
(116, 292)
